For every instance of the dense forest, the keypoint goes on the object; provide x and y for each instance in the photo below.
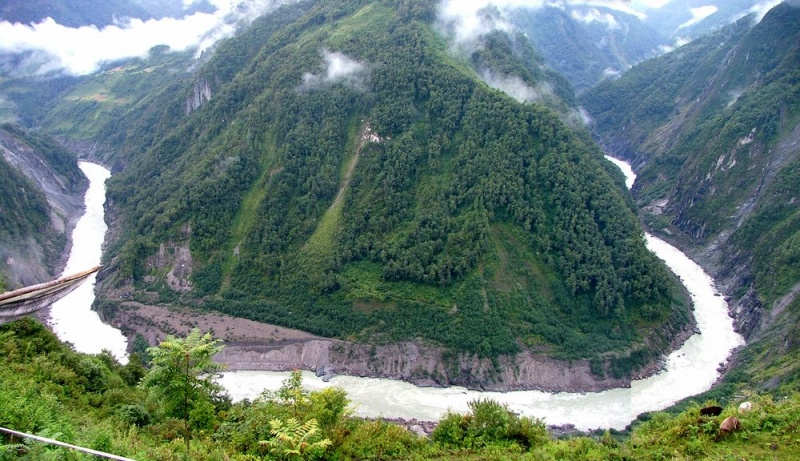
(399, 198)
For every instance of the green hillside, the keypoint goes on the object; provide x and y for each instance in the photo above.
(719, 166)
(351, 177)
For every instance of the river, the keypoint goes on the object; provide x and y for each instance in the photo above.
(688, 370)
(72, 317)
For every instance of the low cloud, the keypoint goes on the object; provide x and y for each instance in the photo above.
(81, 51)
(698, 14)
(762, 8)
(512, 86)
(467, 20)
(338, 68)
(594, 15)
(648, 4)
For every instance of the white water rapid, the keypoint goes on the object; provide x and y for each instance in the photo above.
(689, 370)
(72, 317)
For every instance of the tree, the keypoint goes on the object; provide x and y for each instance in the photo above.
(182, 375)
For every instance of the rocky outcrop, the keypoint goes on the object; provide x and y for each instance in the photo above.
(419, 364)
(201, 93)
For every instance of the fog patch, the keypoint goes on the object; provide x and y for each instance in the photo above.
(584, 116)
(610, 73)
(698, 14)
(465, 21)
(761, 8)
(594, 15)
(734, 96)
(513, 86)
(83, 50)
(338, 68)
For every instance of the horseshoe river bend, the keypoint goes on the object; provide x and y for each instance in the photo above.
(690, 370)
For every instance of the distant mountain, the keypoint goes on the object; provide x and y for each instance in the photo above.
(691, 19)
(100, 13)
(588, 43)
(71, 13)
(714, 131)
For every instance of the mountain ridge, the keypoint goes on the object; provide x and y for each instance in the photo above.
(422, 229)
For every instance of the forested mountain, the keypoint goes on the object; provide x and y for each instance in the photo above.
(689, 19)
(99, 13)
(40, 196)
(71, 13)
(588, 43)
(715, 140)
(338, 169)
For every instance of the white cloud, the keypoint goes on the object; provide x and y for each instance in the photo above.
(512, 86)
(648, 4)
(338, 68)
(83, 50)
(469, 19)
(698, 14)
(594, 15)
(762, 8)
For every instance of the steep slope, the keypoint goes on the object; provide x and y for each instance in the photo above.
(587, 43)
(718, 153)
(345, 174)
(40, 198)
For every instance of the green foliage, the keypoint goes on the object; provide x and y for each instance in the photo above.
(293, 440)
(489, 423)
(122, 421)
(182, 377)
(24, 206)
(379, 440)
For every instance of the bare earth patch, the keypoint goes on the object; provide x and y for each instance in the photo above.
(155, 322)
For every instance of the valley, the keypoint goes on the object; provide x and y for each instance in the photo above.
(418, 191)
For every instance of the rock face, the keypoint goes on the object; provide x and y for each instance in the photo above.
(418, 364)
(201, 93)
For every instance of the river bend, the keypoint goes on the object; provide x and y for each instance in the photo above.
(690, 370)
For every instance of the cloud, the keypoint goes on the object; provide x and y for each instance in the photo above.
(512, 86)
(81, 51)
(594, 15)
(648, 4)
(468, 20)
(762, 8)
(338, 68)
(698, 14)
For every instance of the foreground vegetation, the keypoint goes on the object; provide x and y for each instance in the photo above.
(161, 412)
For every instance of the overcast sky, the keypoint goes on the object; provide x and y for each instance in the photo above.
(83, 50)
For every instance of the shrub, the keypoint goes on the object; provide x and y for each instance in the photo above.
(377, 440)
(135, 415)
